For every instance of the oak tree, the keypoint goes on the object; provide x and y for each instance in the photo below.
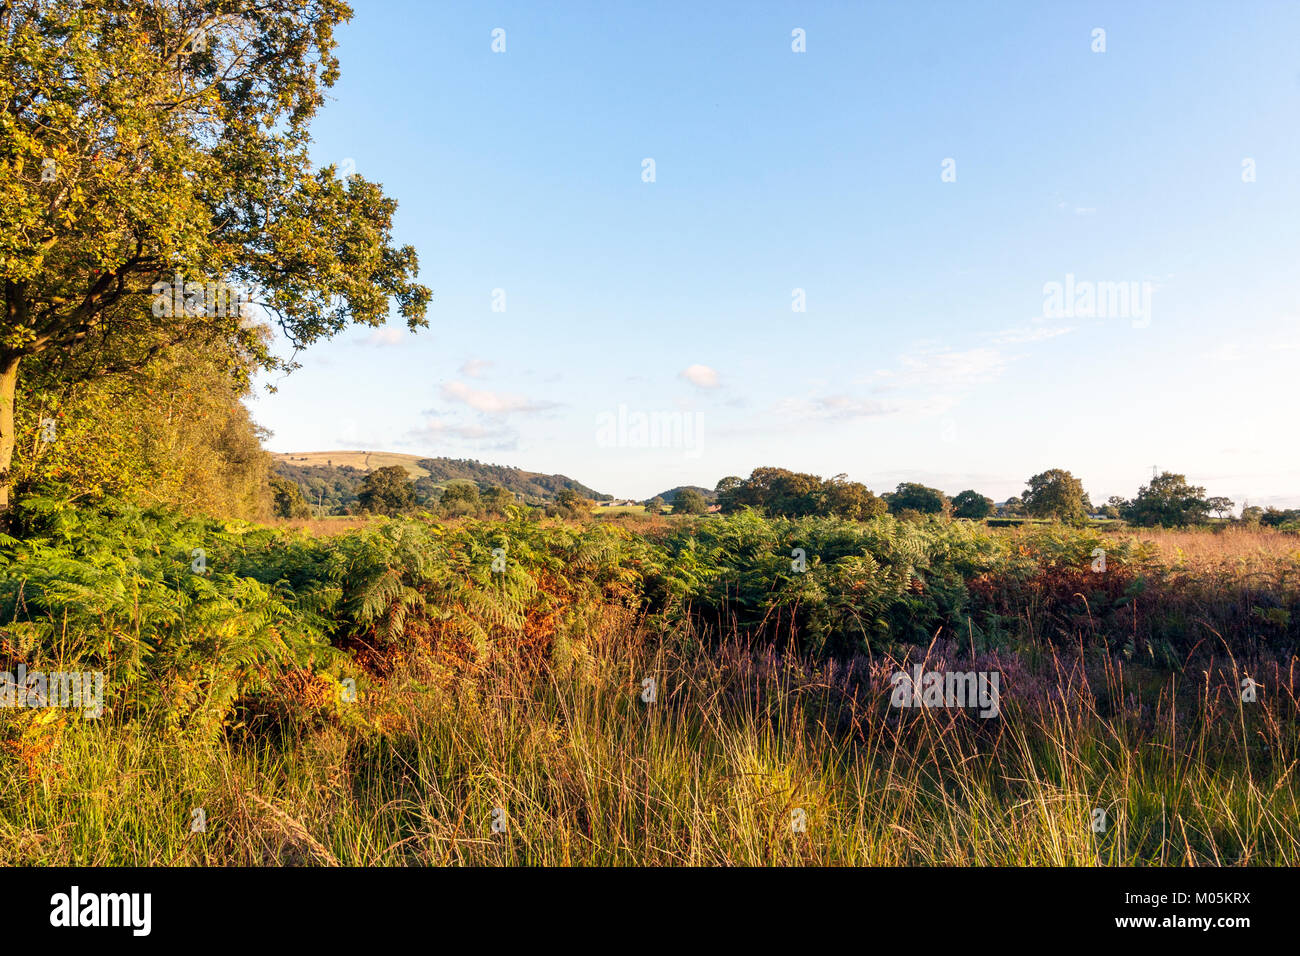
(156, 183)
(1056, 493)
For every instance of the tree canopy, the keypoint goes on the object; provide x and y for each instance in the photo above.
(971, 504)
(1168, 501)
(911, 496)
(156, 184)
(689, 502)
(389, 490)
(287, 498)
(785, 493)
(1056, 493)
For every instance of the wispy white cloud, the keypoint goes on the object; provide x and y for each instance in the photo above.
(946, 368)
(491, 403)
(841, 407)
(475, 367)
(1078, 210)
(433, 427)
(935, 377)
(438, 432)
(797, 411)
(386, 335)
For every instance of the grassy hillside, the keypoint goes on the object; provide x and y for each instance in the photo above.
(363, 461)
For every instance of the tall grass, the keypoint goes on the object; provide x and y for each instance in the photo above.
(738, 743)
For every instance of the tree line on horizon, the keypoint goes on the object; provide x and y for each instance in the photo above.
(1168, 500)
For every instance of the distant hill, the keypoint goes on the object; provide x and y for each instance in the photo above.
(529, 485)
(331, 487)
(333, 478)
(670, 495)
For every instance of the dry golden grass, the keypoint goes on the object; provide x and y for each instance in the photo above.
(1214, 546)
(323, 527)
(365, 460)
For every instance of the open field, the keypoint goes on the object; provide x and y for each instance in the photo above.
(1211, 548)
(768, 733)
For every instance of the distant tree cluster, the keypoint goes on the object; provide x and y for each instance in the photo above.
(689, 502)
(329, 489)
(778, 491)
(911, 499)
(390, 491)
(286, 498)
(669, 497)
(570, 503)
(1169, 501)
(1271, 517)
(1013, 507)
(1055, 494)
(971, 504)
(386, 491)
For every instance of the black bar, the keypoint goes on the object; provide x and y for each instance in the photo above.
(914, 906)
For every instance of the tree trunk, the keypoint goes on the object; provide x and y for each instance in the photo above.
(8, 388)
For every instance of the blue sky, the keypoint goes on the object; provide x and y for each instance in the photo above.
(924, 352)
